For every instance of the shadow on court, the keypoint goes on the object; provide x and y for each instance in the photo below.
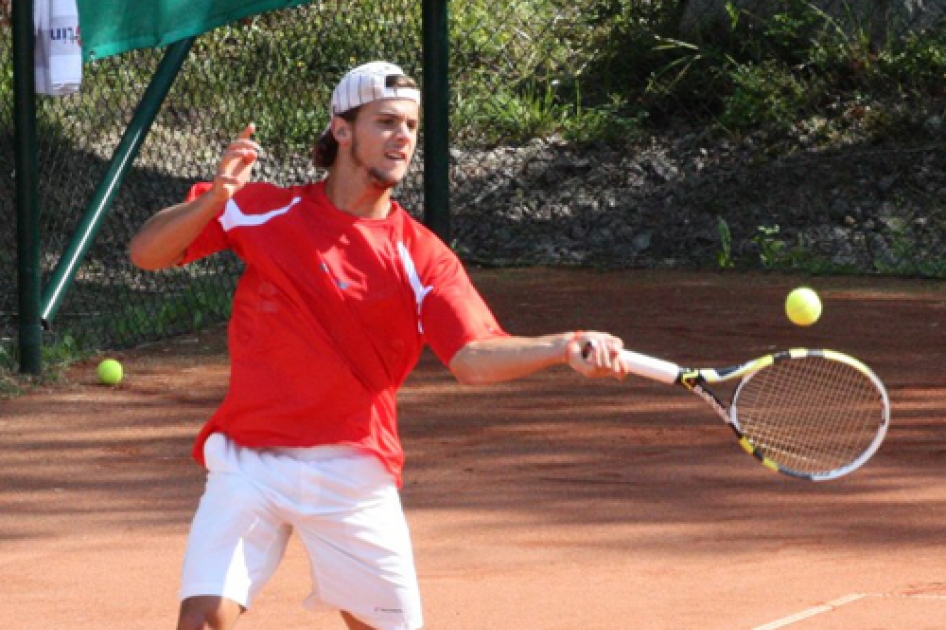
(546, 503)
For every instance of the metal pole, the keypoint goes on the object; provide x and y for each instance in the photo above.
(27, 190)
(436, 26)
(119, 166)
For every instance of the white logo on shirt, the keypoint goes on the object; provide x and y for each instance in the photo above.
(233, 217)
(420, 291)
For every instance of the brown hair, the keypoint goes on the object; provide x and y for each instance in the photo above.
(326, 147)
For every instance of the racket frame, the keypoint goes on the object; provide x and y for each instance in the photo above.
(697, 379)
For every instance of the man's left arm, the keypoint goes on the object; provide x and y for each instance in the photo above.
(497, 359)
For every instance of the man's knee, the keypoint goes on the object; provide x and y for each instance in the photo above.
(208, 613)
(353, 623)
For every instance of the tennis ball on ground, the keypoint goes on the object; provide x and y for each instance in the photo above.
(803, 306)
(110, 372)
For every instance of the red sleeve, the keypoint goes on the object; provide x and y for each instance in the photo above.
(454, 313)
(212, 239)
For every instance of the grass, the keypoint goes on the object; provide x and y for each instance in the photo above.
(592, 71)
(57, 356)
(201, 303)
(774, 251)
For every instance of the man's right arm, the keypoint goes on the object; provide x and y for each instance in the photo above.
(164, 238)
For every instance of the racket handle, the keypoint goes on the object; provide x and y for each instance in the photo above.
(649, 367)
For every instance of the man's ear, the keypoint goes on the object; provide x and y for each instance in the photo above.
(341, 129)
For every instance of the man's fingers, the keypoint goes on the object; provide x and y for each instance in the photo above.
(248, 156)
(248, 131)
(228, 181)
(243, 145)
(241, 152)
(235, 167)
(235, 160)
(601, 357)
(243, 148)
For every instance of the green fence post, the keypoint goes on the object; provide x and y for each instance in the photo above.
(121, 162)
(30, 329)
(436, 26)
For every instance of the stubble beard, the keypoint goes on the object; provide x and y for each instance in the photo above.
(378, 178)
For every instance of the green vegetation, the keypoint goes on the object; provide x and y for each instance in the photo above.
(57, 356)
(724, 257)
(204, 301)
(903, 260)
(591, 72)
(749, 74)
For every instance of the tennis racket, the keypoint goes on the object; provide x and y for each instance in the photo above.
(809, 414)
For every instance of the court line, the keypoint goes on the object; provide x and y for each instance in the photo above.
(837, 603)
(811, 612)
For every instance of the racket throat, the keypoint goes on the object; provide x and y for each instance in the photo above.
(697, 388)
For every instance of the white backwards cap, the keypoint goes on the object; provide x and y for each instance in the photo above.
(368, 83)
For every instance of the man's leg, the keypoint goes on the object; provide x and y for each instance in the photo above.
(236, 540)
(208, 612)
(354, 624)
(358, 543)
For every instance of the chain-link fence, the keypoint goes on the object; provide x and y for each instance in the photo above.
(783, 134)
(276, 70)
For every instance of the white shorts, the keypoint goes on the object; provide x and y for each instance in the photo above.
(343, 504)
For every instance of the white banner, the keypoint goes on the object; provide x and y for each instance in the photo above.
(57, 57)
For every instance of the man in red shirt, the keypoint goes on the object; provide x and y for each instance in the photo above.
(341, 291)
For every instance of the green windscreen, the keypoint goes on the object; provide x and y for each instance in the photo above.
(110, 27)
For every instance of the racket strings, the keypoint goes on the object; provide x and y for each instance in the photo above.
(811, 414)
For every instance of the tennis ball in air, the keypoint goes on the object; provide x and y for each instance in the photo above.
(803, 306)
(110, 372)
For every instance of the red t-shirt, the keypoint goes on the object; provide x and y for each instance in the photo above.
(329, 318)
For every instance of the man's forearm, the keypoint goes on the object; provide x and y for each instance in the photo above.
(163, 239)
(508, 358)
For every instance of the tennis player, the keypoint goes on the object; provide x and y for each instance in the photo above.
(341, 291)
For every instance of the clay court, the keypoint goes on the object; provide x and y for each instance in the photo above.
(545, 504)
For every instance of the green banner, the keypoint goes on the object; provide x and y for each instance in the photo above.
(110, 27)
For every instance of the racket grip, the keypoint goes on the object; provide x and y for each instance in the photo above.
(649, 367)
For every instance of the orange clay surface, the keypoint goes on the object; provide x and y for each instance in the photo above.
(553, 502)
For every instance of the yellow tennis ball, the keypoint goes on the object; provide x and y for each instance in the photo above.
(803, 306)
(110, 372)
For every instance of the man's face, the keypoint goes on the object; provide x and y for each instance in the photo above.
(383, 139)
